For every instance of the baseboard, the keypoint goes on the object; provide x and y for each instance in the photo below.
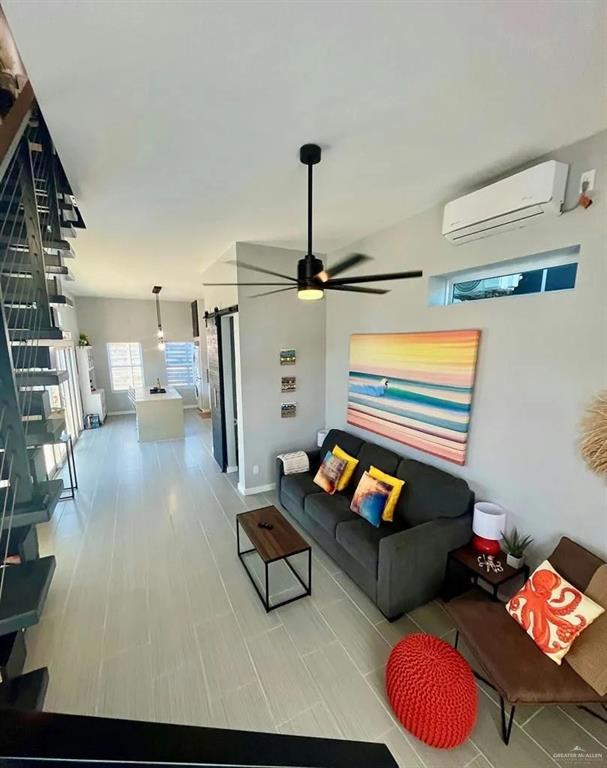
(189, 407)
(256, 489)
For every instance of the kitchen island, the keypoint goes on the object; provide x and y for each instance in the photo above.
(159, 416)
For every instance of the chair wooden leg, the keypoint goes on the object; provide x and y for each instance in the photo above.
(506, 723)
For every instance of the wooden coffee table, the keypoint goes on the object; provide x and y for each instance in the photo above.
(278, 543)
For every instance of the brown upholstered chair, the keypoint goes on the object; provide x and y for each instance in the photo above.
(510, 661)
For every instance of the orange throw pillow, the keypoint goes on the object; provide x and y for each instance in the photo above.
(552, 611)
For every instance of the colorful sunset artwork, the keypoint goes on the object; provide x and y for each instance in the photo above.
(415, 388)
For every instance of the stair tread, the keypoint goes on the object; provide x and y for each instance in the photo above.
(20, 268)
(53, 298)
(44, 378)
(51, 245)
(44, 432)
(25, 334)
(40, 509)
(24, 594)
(25, 692)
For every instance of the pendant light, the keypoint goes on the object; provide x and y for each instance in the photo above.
(156, 291)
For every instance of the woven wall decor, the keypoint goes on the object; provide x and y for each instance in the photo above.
(593, 435)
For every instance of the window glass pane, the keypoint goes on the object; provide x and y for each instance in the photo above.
(530, 282)
(126, 370)
(515, 284)
(486, 288)
(559, 278)
(179, 358)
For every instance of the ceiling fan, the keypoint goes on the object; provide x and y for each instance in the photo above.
(312, 278)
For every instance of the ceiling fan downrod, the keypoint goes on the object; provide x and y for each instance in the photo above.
(308, 268)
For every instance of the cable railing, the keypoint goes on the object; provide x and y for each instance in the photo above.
(27, 167)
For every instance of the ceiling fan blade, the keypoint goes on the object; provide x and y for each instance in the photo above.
(350, 261)
(262, 270)
(267, 293)
(374, 278)
(289, 284)
(353, 288)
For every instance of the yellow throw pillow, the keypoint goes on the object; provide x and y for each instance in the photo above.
(352, 463)
(397, 486)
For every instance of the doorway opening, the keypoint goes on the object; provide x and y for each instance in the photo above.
(221, 335)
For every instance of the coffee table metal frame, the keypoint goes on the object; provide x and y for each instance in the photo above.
(265, 598)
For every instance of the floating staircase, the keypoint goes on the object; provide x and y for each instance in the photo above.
(37, 212)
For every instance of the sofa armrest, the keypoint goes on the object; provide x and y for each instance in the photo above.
(313, 457)
(412, 562)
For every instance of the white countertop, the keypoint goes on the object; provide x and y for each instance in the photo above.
(142, 395)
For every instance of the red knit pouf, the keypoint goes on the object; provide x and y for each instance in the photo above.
(432, 690)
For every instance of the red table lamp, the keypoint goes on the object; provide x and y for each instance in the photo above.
(488, 522)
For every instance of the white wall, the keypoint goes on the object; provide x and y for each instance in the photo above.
(221, 271)
(67, 319)
(264, 327)
(267, 325)
(111, 320)
(542, 357)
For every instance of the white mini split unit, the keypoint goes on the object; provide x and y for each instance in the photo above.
(511, 203)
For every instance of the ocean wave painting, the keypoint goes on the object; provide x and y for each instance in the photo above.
(415, 388)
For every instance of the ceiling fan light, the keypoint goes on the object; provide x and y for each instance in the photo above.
(310, 294)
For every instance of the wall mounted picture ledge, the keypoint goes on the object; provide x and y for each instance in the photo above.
(415, 388)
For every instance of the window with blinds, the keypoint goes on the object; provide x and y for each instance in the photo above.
(126, 365)
(179, 359)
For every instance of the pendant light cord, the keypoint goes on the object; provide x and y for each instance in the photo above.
(158, 310)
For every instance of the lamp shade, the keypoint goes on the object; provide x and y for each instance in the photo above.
(489, 520)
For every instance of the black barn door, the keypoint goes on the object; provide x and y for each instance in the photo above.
(216, 391)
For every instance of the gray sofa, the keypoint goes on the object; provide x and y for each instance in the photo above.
(399, 565)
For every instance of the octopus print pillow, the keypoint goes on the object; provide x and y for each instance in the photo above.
(552, 611)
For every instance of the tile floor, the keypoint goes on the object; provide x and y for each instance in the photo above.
(150, 616)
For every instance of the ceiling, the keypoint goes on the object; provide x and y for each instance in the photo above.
(179, 123)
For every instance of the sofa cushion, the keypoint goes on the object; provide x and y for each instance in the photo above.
(361, 541)
(298, 486)
(430, 493)
(510, 659)
(328, 511)
(371, 454)
(575, 563)
(347, 442)
(588, 657)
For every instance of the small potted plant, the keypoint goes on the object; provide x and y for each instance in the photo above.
(83, 340)
(515, 546)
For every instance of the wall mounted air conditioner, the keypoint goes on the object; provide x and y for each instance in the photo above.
(517, 201)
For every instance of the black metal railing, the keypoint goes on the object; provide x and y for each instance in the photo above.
(71, 739)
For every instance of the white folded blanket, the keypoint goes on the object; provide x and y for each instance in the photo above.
(295, 462)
